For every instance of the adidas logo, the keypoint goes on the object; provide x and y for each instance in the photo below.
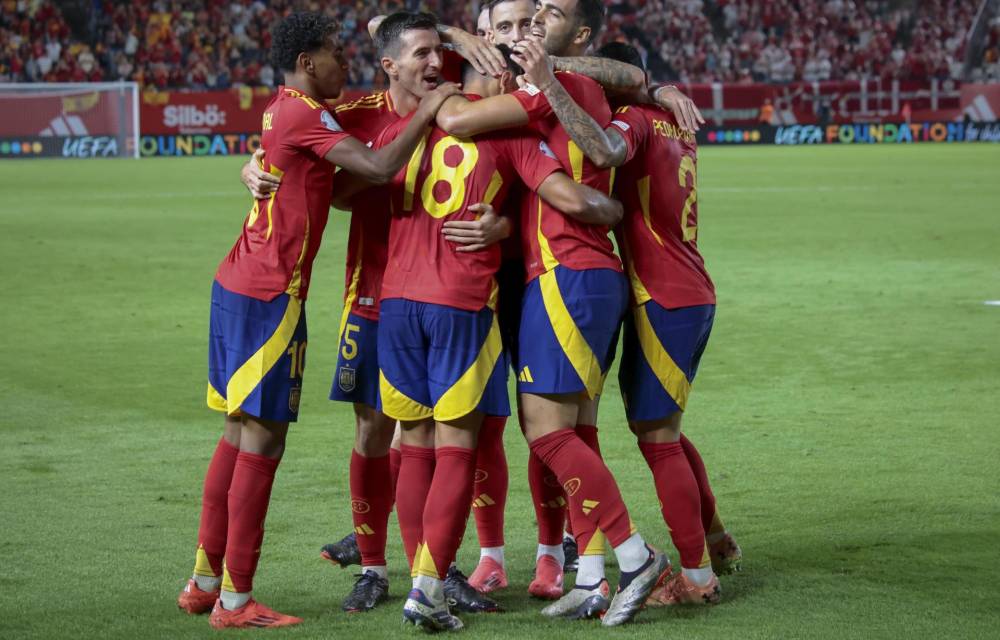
(364, 530)
(589, 505)
(525, 375)
(483, 501)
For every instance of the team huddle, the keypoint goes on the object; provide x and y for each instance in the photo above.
(479, 246)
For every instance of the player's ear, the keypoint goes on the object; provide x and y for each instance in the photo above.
(507, 82)
(305, 62)
(582, 35)
(389, 66)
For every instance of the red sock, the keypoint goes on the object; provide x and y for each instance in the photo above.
(677, 490)
(371, 502)
(416, 470)
(490, 489)
(709, 511)
(214, 504)
(395, 459)
(549, 499)
(589, 484)
(582, 528)
(249, 495)
(447, 510)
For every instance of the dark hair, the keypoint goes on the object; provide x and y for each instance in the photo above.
(591, 13)
(622, 52)
(492, 3)
(301, 32)
(506, 52)
(395, 25)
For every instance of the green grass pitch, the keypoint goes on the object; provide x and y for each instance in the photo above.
(847, 407)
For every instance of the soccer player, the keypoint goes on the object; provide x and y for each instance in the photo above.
(673, 307)
(257, 336)
(414, 63)
(574, 303)
(439, 347)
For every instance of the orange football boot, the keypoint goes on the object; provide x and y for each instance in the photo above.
(489, 576)
(548, 582)
(726, 555)
(194, 600)
(252, 614)
(677, 589)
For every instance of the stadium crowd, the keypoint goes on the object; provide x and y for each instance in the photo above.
(166, 44)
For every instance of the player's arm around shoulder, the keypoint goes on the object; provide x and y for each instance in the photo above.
(378, 166)
(464, 118)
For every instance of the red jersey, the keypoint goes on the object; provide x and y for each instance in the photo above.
(658, 186)
(443, 178)
(550, 238)
(281, 236)
(368, 239)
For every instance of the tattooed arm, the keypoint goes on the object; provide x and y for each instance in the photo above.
(604, 148)
(616, 77)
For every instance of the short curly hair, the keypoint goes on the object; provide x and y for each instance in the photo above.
(300, 32)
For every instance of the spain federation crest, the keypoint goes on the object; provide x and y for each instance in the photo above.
(347, 379)
(293, 399)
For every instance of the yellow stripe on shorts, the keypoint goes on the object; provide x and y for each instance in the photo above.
(399, 406)
(215, 400)
(571, 339)
(463, 397)
(249, 375)
(667, 372)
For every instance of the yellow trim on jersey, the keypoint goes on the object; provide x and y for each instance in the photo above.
(611, 180)
(576, 162)
(671, 377)
(496, 181)
(251, 372)
(638, 288)
(643, 186)
(352, 290)
(548, 258)
(570, 338)
(275, 171)
(295, 284)
(372, 101)
(463, 397)
(215, 400)
(398, 405)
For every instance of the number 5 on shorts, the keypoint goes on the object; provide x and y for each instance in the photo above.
(350, 348)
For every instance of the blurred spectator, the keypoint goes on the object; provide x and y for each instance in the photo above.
(167, 44)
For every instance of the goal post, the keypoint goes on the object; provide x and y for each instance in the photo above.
(69, 120)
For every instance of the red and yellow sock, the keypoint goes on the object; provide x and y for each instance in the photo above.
(249, 496)
(371, 502)
(446, 510)
(489, 493)
(710, 519)
(215, 511)
(416, 471)
(680, 503)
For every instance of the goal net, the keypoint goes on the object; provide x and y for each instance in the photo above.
(69, 120)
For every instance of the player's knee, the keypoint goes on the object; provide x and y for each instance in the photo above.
(663, 430)
(263, 437)
(373, 432)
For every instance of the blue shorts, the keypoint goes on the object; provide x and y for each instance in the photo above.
(440, 361)
(356, 377)
(570, 322)
(660, 357)
(256, 355)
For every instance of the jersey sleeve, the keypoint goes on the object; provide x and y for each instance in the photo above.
(534, 102)
(317, 130)
(633, 126)
(531, 158)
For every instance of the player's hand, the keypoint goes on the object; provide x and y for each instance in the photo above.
(260, 183)
(430, 103)
(476, 235)
(687, 114)
(537, 65)
(483, 56)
